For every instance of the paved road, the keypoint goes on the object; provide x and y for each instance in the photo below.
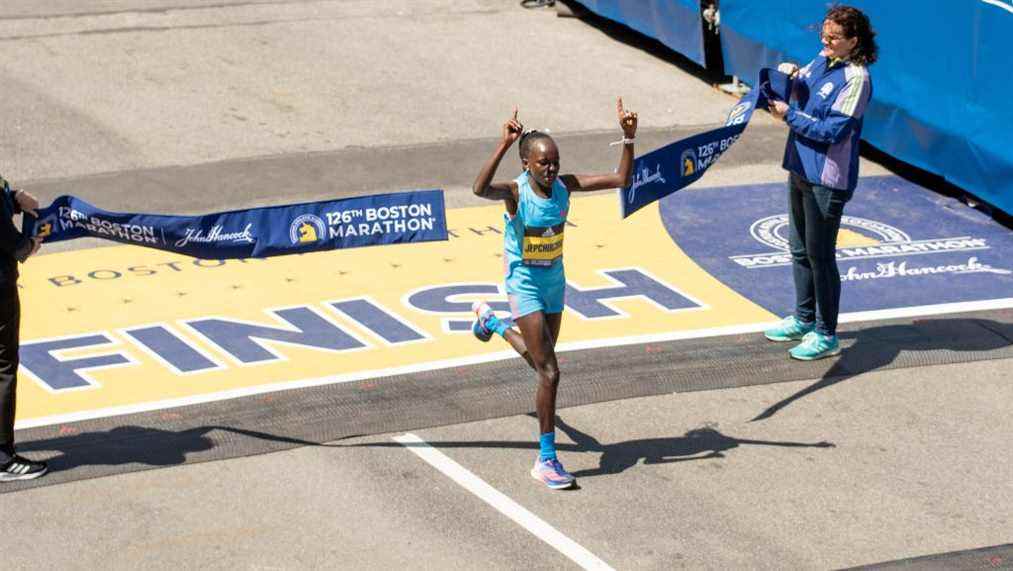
(175, 106)
(96, 86)
(887, 465)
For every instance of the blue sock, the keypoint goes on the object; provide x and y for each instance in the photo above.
(547, 446)
(497, 325)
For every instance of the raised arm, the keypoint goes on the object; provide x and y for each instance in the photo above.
(620, 178)
(484, 186)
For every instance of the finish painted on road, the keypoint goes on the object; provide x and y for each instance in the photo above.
(124, 329)
(114, 330)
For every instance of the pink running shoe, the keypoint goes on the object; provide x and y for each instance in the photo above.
(552, 474)
(485, 321)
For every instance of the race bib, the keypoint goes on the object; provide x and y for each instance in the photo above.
(542, 246)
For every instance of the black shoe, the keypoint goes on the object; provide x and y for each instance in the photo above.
(20, 468)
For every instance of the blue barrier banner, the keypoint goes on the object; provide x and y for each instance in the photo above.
(395, 218)
(678, 165)
(675, 23)
(940, 88)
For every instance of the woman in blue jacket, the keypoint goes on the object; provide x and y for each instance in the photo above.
(824, 118)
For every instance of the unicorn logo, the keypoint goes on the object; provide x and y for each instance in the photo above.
(306, 229)
(687, 163)
(307, 233)
(44, 227)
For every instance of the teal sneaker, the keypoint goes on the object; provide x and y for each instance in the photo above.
(790, 329)
(815, 346)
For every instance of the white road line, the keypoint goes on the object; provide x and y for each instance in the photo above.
(915, 311)
(925, 310)
(529, 521)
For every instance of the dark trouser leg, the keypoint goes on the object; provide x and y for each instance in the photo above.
(815, 221)
(10, 318)
(824, 220)
(802, 271)
(822, 209)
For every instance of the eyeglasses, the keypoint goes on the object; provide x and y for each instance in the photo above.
(831, 39)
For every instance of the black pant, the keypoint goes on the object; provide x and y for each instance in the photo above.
(814, 221)
(10, 321)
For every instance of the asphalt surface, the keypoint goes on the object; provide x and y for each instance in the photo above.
(187, 106)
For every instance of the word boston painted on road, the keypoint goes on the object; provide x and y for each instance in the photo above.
(394, 218)
(678, 165)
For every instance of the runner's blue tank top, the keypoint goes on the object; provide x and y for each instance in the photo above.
(533, 238)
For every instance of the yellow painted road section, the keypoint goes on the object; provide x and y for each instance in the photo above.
(87, 295)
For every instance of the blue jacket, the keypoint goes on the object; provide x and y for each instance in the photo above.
(13, 246)
(825, 121)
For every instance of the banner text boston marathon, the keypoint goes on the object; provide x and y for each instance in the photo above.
(395, 218)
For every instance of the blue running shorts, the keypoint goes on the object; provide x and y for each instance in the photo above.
(529, 292)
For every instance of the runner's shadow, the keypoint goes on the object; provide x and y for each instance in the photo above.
(877, 347)
(697, 444)
(125, 445)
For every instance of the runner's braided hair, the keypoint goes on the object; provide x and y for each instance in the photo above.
(529, 138)
(856, 25)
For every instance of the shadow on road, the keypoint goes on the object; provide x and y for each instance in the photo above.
(877, 347)
(126, 445)
(697, 444)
